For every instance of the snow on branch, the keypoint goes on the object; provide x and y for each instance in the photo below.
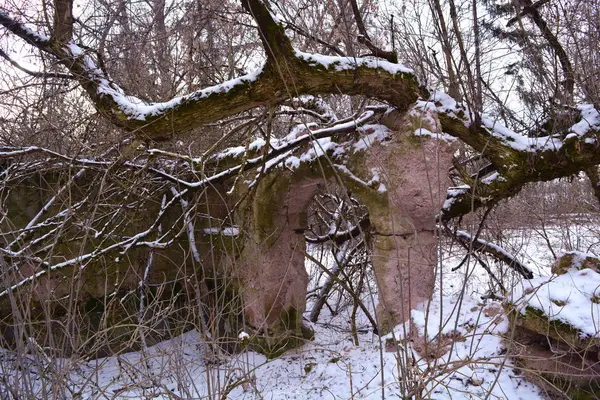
(497, 252)
(280, 152)
(121, 246)
(515, 159)
(456, 120)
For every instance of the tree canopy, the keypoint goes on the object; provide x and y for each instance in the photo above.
(519, 148)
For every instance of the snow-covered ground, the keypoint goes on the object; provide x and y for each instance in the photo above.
(465, 360)
(467, 363)
(531, 246)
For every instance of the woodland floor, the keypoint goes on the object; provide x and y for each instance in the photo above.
(469, 362)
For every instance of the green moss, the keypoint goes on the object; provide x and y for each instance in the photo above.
(287, 333)
(384, 243)
(93, 305)
(563, 264)
(100, 315)
(268, 198)
(309, 366)
(377, 203)
(273, 346)
(535, 321)
(583, 393)
(307, 332)
(290, 319)
(384, 326)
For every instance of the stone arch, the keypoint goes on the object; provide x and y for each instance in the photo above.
(401, 182)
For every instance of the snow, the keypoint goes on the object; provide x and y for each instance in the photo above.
(292, 162)
(28, 31)
(478, 367)
(444, 100)
(320, 143)
(231, 231)
(496, 248)
(334, 368)
(572, 298)
(440, 102)
(330, 367)
(371, 134)
(346, 171)
(467, 353)
(493, 177)
(136, 108)
(233, 152)
(520, 142)
(590, 119)
(325, 109)
(453, 193)
(319, 148)
(350, 63)
(226, 231)
(439, 136)
(299, 131)
(257, 144)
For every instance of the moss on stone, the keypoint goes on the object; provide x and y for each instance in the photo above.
(309, 366)
(534, 320)
(272, 347)
(289, 332)
(268, 198)
(577, 260)
(290, 319)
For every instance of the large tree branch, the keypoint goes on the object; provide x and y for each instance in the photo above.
(63, 21)
(517, 159)
(286, 74)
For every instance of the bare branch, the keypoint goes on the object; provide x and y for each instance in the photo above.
(366, 40)
(532, 10)
(340, 237)
(63, 21)
(35, 74)
(482, 246)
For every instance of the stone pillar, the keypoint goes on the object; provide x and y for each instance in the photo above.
(414, 170)
(272, 269)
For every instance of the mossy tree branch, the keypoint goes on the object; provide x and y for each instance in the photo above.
(516, 167)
